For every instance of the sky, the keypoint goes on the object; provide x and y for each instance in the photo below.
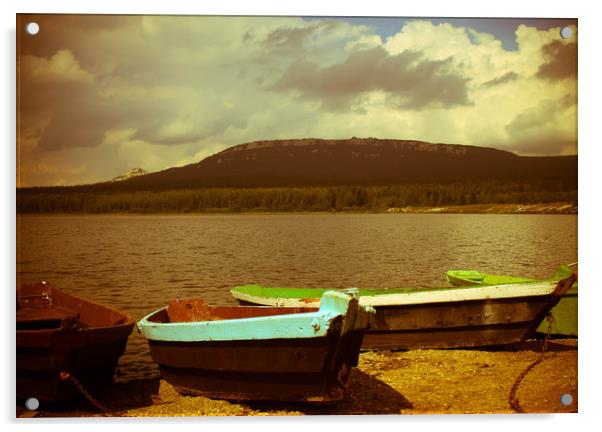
(101, 94)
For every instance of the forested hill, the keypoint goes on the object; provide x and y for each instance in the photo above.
(349, 162)
(324, 175)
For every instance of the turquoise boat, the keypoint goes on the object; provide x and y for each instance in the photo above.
(259, 353)
(564, 314)
(448, 317)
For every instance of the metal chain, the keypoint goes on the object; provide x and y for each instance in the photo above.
(343, 376)
(66, 376)
(512, 399)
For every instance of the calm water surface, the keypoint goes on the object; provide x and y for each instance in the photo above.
(139, 263)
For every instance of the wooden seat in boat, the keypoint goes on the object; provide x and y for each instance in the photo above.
(46, 318)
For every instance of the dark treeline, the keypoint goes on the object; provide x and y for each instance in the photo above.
(338, 198)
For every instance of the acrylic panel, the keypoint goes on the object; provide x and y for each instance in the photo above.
(174, 173)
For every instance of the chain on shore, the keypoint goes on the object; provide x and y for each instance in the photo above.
(66, 376)
(512, 398)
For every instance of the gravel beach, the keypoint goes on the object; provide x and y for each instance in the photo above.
(404, 382)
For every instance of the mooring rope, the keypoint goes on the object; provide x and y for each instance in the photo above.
(512, 398)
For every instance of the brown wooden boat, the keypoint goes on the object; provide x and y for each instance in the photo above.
(258, 353)
(60, 334)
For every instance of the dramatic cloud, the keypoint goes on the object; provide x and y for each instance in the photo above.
(289, 40)
(61, 68)
(408, 76)
(543, 129)
(561, 61)
(99, 95)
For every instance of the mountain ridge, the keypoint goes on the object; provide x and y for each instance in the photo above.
(355, 161)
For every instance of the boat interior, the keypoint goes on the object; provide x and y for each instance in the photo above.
(196, 310)
(42, 307)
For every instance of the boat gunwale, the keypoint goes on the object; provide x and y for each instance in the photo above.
(128, 320)
(461, 278)
(543, 287)
(297, 325)
(306, 324)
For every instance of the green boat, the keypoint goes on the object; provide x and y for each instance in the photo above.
(475, 277)
(564, 314)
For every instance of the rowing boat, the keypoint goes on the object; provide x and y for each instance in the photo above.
(259, 353)
(450, 317)
(475, 277)
(564, 314)
(60, 338)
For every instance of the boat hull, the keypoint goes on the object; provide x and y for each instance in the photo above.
(91, 357)
(259, 353)
(564, 314)
(87, 350)
(564, 317)
(458, 325)
(475, 323)
(276, 370)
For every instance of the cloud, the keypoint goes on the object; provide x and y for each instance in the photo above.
(546, 113)
(533, 118)
(62, 67)
(60, 100)
(171, 80)
(102, 94)
(507, 77)
(543, 129)
(415, 82)
(289, 39)
(545, 145)
(561, 61)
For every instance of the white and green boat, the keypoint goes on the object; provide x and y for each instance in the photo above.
(449, 317)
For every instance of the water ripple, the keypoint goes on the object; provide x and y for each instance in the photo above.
(139, 263)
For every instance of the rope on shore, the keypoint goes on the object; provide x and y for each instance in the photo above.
(512, 398)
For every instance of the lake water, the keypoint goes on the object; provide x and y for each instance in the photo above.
(139, 263)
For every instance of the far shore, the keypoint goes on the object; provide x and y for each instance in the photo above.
(543, 208)
(558, 208)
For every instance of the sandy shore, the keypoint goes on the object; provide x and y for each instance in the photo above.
(546, 208)
(404, 382)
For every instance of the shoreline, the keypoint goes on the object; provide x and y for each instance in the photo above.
(460, 381)
(558, 208)
(542, 208)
